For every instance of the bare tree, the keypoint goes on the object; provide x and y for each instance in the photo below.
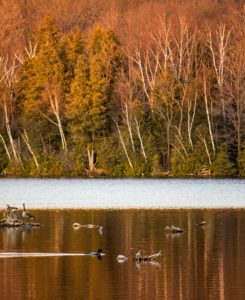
(208, 113)
(124, 146)
(27, 142)
(7, 79)
(234, 90)
(218, 46)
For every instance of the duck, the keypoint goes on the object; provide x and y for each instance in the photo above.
(97, 253)
(174, 229)
(26, 215)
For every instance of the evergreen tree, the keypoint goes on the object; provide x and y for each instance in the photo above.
(241, 163)
(222, 166)
(72, 46)
(90, 100)
(78, 105)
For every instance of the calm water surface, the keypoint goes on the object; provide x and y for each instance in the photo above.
(201, 263)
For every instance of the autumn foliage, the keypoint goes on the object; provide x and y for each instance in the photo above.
(122, 88)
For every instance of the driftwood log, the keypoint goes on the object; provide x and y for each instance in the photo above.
(17, 223)
(139, 258)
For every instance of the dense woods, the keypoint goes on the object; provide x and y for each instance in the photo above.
(122, 88)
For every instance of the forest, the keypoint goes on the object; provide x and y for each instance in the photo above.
(122, 88)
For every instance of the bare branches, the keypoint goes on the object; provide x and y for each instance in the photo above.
(54, 100)
(148, 64)
(30, 52)
(7, 71)
(219, 49)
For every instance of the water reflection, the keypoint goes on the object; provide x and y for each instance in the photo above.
(203, 262)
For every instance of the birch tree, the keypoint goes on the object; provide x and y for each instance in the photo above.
(7, 80)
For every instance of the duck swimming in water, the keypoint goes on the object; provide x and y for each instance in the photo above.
(99, 253)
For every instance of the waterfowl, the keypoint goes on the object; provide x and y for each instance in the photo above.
(174, 229)
(97, 253)
(26, 215)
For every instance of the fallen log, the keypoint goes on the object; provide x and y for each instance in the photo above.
(139, 258)
(17, 223)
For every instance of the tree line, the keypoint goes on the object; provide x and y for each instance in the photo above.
(164, 99)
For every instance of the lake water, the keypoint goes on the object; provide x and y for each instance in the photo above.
(201, 263)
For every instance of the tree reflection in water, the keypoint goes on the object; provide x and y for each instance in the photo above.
(205, 262)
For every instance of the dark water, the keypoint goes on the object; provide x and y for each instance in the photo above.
(201, 263)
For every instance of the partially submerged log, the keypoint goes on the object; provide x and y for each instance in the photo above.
(139, 258)
(17, 223)
(174, 229)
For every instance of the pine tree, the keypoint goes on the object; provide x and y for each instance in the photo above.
(78, 104)
(241, 163)
(41, 86)
(90, 100)
(72, 46)
(222, 166)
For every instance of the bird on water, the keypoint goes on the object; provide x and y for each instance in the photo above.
(26, 215)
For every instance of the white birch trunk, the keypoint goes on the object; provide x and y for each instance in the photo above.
(140, 138)
(207, 151)
(91, 162)
(55, 108)
(26, 140)
(129, 126)
(6, 148)
(208, 114)
(124, 146)
(9, 131)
